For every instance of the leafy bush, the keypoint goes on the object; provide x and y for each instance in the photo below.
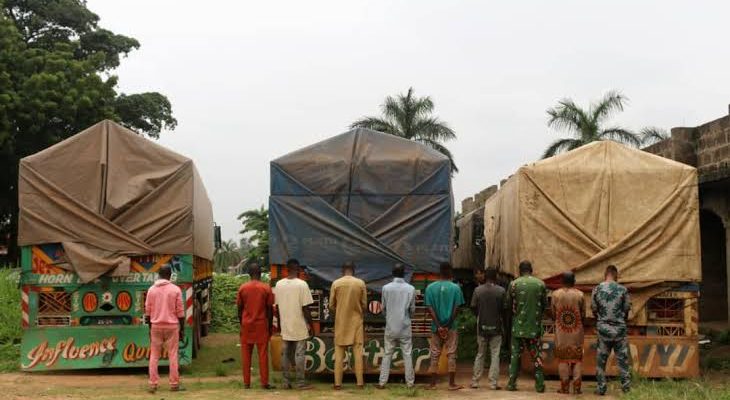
(10, 329)
(466, 322)
(225, 287)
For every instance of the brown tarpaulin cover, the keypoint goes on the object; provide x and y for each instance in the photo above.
(601, 204)
(108, 193)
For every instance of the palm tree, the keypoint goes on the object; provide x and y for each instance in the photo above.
(228, 255)
(256, 221)
(587, 126)
(409, 117)
(652, 134)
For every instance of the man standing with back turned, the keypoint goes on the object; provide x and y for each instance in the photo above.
(399, 304)
(292, 297)
(569, 313)
(527, 299)
(487, 302)
(164, 307)
(611, 304)
(255, 302)
(443, 299)
(348, 299)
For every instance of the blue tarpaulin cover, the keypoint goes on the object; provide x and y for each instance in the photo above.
(362, 196)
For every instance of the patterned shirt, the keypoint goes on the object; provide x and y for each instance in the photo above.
(610, 304)
(527, 296)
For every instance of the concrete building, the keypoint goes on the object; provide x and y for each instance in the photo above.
(707, 147)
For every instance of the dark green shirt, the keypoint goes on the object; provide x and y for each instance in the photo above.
(527, 297)
(443, 297)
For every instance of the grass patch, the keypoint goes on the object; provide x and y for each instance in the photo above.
(701, 389)
(10, 315)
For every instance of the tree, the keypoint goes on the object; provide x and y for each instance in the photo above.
(228, 255)
(587, 126)
(56, 79)
(652, 134)
(256, 223)
(410, 117)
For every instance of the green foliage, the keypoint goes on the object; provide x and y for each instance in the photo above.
(409, 117)
(228, 255)
(10, 329)
(588, 125)
(466, 322)
(644, 389)
(225, 288)
(56, 79)
(223, 304)
(651, 135)
(256, 222)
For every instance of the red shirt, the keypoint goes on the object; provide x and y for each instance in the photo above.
(255, 297)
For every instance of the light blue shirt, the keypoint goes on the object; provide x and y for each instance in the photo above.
(399, 304)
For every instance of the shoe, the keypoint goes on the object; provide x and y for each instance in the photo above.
(268, 387)
(410, 386)
(511, 388)
(177, 389)
(305, 387)
(626, 390)
(152, 389)
(381, 387)
(540, 390)
(337, 387)
(455, 388)
(495, 388)
(247, 386)
(599, 393)
(360, 387)
(474, 386)
(287, 386)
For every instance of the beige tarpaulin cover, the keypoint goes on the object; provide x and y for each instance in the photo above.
(601, 204)
(108, 193)
(468, 254)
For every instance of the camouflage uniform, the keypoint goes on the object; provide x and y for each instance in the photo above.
(527, 298)
(611, 304)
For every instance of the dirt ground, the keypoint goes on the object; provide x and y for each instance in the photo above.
(65, 386)
(202, 381)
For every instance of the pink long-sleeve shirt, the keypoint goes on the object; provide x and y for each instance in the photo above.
(164, 303)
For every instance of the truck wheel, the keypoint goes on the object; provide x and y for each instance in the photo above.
(204, 330)
(196, 328)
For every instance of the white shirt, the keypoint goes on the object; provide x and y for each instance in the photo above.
(290, 296)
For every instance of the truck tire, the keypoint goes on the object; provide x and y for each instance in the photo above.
(196, 328)
(204, 330)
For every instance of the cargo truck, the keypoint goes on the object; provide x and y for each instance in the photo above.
(370, 198)
(602, 204)
(100, 213)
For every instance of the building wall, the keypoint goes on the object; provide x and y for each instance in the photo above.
(707, 147)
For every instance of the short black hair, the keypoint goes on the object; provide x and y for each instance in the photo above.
(612, 270)
(399, 270)
(349, 266)
(568, 278)
(165, 272)
(445, 269)
(525, 267)
(491, 274)
(254, 269)
(292, 262)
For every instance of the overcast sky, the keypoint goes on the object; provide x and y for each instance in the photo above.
(251, 81)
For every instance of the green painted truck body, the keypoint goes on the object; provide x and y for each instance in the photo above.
(73, 325)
